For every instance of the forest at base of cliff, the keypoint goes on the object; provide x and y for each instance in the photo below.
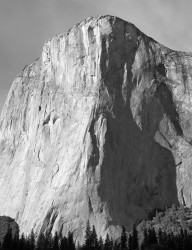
(164, 230)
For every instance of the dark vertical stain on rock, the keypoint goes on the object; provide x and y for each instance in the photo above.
(166, 99)
(94, 158)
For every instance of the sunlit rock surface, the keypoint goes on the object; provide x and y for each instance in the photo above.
(98, 128)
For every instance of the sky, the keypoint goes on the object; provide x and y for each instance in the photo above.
(26, 24)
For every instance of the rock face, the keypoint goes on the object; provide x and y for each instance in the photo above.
(98, 128)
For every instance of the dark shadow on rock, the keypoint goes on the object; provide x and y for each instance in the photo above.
(169, 107)
(137, 173)
(49, 222)
(160, 68)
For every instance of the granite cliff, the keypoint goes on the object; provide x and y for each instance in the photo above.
(98, 128)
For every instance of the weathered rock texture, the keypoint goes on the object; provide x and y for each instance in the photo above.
(98, 128)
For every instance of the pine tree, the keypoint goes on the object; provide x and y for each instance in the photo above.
(88, 233)
(22, 242)
(186, 241)
(130, 242)
(135, 238)
(27, 243)
(93, 239)
(107, 244)
(63, 243)
(7, 241)
(100, 243)
(15, 241)
(40, 242)
(71, 244)
(180, 238)
(111, 244)
(145, 242)
(56, 242)
(160, 237)
(123, 239)
(170, 242)
(32, 240)
(49, 241)
(152, 236)
(117, 246)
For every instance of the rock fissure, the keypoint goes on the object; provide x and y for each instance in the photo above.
(94, 159)
(54, 173)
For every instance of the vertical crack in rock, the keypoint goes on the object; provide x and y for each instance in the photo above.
(94, 158)
(183, 198)
(90, 206)
(55, 172)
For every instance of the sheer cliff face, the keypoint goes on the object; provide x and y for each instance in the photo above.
(98, 128)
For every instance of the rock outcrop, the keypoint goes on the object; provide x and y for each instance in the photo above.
(98, 128)
(7, 223)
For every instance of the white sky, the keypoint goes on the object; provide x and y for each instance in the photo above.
(26, 24)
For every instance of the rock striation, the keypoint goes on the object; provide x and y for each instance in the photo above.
(98, 128)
